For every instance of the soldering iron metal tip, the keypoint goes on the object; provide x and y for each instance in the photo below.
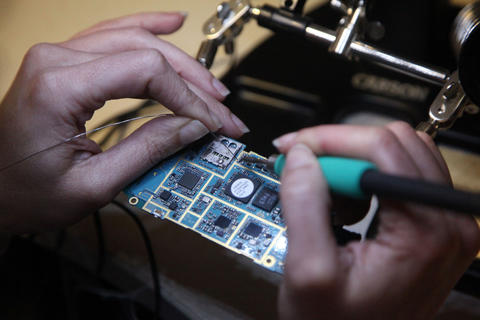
(252, 159)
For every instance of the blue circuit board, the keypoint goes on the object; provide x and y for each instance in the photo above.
(210, 190)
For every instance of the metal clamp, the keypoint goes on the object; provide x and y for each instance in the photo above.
(348, 27)
(222, 28)
(447, 107)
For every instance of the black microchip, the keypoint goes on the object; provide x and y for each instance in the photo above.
(173, 206)
(220, 233)
(242, 187)
(266, 199)
(189, 180)
(253, 230)
(239, 245)
(222, 222)
(165, 195)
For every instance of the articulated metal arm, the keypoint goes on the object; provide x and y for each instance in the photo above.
(227, 23)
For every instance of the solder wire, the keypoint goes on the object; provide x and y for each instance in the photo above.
(80, 135)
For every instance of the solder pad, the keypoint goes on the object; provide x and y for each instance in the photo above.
(210, 190)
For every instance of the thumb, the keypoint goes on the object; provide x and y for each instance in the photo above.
(112, 170)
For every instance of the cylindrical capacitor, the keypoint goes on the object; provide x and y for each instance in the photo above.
(466, 43)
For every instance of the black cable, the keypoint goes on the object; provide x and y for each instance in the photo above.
(101, 242)
(151, 256)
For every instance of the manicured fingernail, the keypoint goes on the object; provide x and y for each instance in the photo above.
(192, 131)
(183, 13)
(239, 123)
(285, 139)
(220, 87)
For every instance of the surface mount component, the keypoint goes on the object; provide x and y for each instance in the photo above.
(221, 152)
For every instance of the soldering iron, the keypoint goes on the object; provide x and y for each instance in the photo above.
(359, 178)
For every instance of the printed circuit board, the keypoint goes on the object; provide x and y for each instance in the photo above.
(210, 190)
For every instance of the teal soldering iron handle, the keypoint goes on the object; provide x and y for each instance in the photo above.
(360, 178)
(343, 175)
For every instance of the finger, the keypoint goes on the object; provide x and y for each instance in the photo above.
(375, 144)
(134, 74)
(232, 125)
(46, 55)
(155, 22)
(126, 39)
(305, 200)
(112, 170)
(436, 153)
(419, 152)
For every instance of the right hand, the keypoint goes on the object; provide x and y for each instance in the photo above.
(407, 271)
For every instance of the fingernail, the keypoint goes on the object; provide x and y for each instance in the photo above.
(220, 87)
(192, 131)
(284, 140)
(239, 123)
(183, 13)
(298, 156)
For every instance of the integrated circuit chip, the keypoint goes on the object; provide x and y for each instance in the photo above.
(173, 206)
(242, 187)
(222, 222)
(165, 195)
(189, 180)
(266, 199)
(253, 230)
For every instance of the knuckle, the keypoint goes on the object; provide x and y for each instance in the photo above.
(384, 139)
(37, 53)
(155, 66)
(155, 60)
(401, 127)
(137, 32)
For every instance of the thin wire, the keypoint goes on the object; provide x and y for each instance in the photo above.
(79, 136)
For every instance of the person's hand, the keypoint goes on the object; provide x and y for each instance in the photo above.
(407, 271)
(58, 88)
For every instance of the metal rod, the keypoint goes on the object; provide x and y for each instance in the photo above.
(378, 56)
(275, 19)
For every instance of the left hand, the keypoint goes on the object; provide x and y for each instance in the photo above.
(59, 87)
